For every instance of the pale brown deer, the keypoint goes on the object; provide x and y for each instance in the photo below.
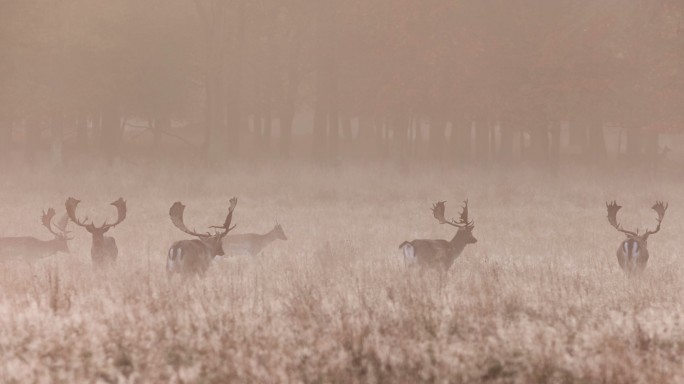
(194, 257)
(103, 250)
(252, 243)
(30, 249)
(441, 253)
(632, 254)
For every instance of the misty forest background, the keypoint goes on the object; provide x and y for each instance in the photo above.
(447, 81)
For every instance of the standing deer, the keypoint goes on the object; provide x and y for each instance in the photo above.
(103, 251)
(30, 249)
(252, 243)
(633, 252)
(194, 257)
(441, 253)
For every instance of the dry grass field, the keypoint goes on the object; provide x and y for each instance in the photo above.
(540, 297)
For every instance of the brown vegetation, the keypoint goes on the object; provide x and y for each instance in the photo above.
(539, 298)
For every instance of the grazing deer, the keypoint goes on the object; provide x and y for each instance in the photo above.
(103, 250)
(30, 249)
(441, 253)
(633, 252)
(194, 257)
(252, 243)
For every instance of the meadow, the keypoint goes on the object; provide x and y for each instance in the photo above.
(540, 297)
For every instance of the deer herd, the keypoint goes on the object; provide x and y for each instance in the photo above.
(194, 257)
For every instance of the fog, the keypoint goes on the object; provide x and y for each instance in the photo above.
(256, 190)
(453, 82)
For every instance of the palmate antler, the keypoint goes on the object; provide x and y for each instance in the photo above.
(176, 214)
(46, 219)
(613, 209)
(438, 212)
(660, 209)
(72, 203)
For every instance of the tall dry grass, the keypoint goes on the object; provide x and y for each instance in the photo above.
(540, 297)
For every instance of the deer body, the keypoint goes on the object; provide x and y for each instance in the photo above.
(252, 243)
(440, 253)
(194, 257)
(30, 249)
(632, 254)
(433, 253)
(103, 251)
(191, 257)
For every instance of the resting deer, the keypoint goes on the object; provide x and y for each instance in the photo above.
(633, 252)
(103, 250)
(441, 253)
(194, 257)
(30, 249)
(252, 243)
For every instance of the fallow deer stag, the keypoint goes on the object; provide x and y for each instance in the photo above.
(633, 252)
(103, 250)
(30, 249)
(252, 243)
(194, 257)
(441, 253)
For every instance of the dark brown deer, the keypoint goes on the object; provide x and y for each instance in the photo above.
(103, 250)
(441, 253)
(633, 254)
(30, 249)
(194, 257)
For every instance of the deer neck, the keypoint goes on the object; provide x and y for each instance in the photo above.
(98, 239)
(269, 237)
(457, 244)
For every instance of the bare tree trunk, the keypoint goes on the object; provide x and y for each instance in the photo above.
(324, 87)
(555, 146)
(6, 123)
(650, 143)
(578, 133)
(286, 120)
(57, 142)
(507, 141)
(32, 141)
(597, 140)
(461, 137)
(333, 111)
(268, 123)
(161, 124)
(634, 142)
(82, 132)
(320, 121)
(491, 124)
(347, 134)
(234, 108)
(438, 125)
(111, 132)
(481, 141)
(213, 17)
(539, 137)
(401, 124)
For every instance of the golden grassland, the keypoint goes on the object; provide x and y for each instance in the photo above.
(540, 297)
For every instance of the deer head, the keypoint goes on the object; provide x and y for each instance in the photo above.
(120, 205)
(613, 209)
(62, 232)
(279, 232)
(464, 225)
(213, 241)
